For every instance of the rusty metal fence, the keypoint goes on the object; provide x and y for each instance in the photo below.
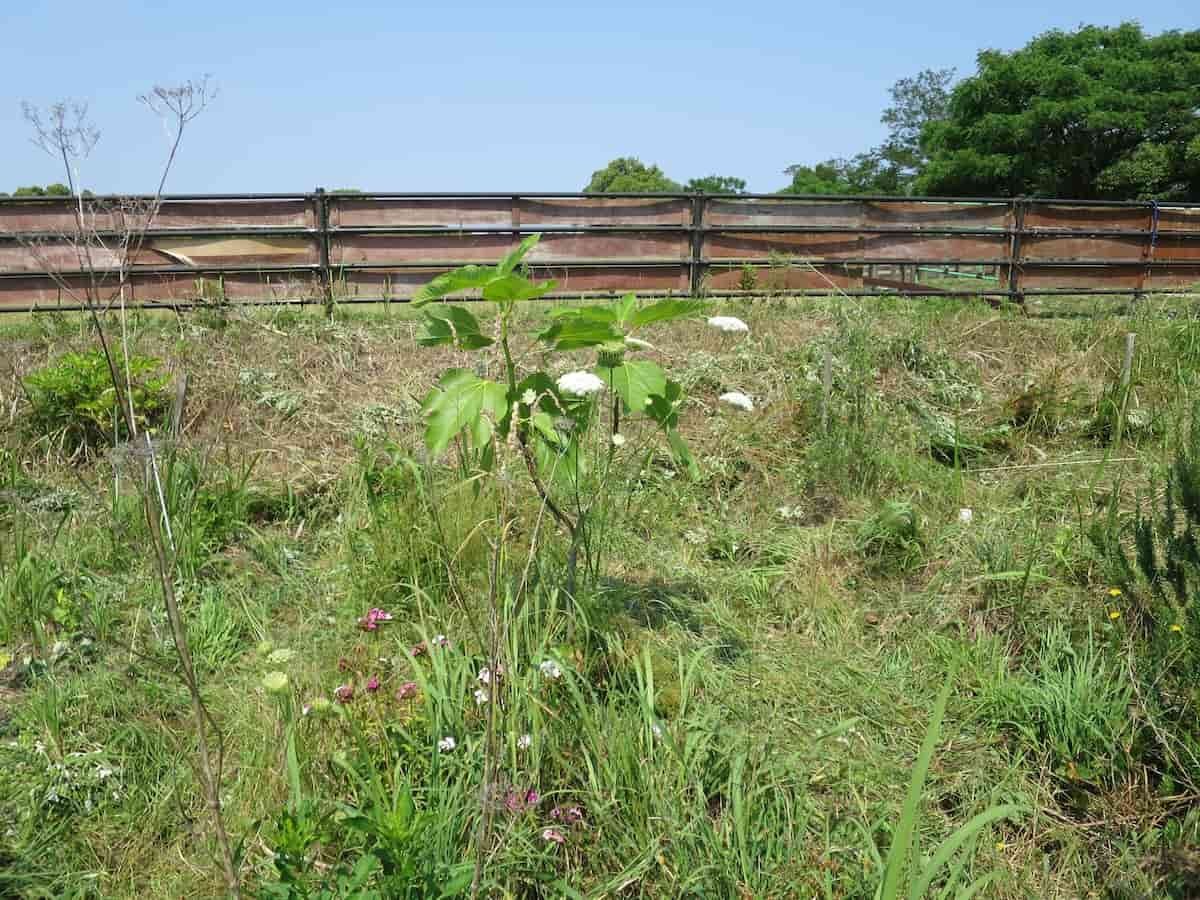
(346, 247)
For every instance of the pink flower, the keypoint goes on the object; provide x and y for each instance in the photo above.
(570, 815)
(344, 693)
(407, 691)
(375, 615)
(372, 684)
(532, 797)
(550, 834)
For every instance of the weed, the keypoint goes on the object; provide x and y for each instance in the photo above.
(73, 404)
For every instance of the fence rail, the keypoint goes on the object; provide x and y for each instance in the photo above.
(320, 246)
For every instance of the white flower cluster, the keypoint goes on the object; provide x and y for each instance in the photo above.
(728, 324)
(580, 384)
(738, 400)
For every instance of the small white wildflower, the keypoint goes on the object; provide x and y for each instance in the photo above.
(657, 731)
(738, 400)
(484, 676)
(275, 682)
(618, 440)
(550, 669)
(103, 772)
(580, 384)
(638, 343)
(440, 640)
(524, 742)
(116, 795)
(965, 515)
(529, 397)
(447, 744)
(39, 746)
(280, 657)
(481, 697)
(730, 324)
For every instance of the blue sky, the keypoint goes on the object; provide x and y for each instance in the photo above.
(492, 96)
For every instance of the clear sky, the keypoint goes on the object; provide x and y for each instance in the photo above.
(492, 96)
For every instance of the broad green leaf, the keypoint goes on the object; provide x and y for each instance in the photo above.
(463, 279)
(458, 402)
(513, 288)
(636, 382)
(579, 332)
(682, 453)
(624, 308)
(459, 881)
(665, 311)
(513, 259)
(664, 406)
(452, 325)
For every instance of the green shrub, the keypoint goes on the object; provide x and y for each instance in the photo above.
(73, 402)
(891, 537)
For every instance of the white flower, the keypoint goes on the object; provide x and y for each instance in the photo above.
(638, 343)
(580, 384)
(737, 399)
(529, 397)
(481, 697)
(550, 669)
(657, 731)
(104, 772)
(965, 515)
(280, 657)
(729, 324)
(524, 742)
(484, 676)
(618, 440)
(447, 744)
(440, 640)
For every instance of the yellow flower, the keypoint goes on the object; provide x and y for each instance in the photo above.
(1114, 614)
(1000, 845)
(1114, 592)
(1177, 628)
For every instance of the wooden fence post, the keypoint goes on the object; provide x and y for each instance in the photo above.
(321, 203)
(695, 265)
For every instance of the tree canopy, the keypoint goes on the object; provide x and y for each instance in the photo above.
(50, 190)
(892, 167)
(716, 184)
(1094, 113)
(628, 174)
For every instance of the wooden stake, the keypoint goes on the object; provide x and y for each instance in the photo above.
(826, 388)
(1126, 381)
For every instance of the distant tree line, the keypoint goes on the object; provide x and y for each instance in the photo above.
(1095, 113)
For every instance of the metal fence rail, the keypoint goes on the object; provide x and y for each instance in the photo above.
(320, 246)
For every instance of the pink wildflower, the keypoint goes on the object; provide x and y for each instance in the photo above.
(551, 834)
(407, 691)
(372, 684)
(375, 615)
(344, 693)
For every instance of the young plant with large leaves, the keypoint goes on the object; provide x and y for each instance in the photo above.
(525, 408)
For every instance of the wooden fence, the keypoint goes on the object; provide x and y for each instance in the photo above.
(317, 247)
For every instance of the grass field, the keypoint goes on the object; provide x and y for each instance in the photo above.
(733, 707)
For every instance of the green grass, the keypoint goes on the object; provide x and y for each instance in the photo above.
(750, 701)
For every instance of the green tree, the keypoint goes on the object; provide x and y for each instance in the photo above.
(892, 167)
(1093, 113)
(716, 184)
(916, 102)
(866, 173)
(627, 174)
(50, 190)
